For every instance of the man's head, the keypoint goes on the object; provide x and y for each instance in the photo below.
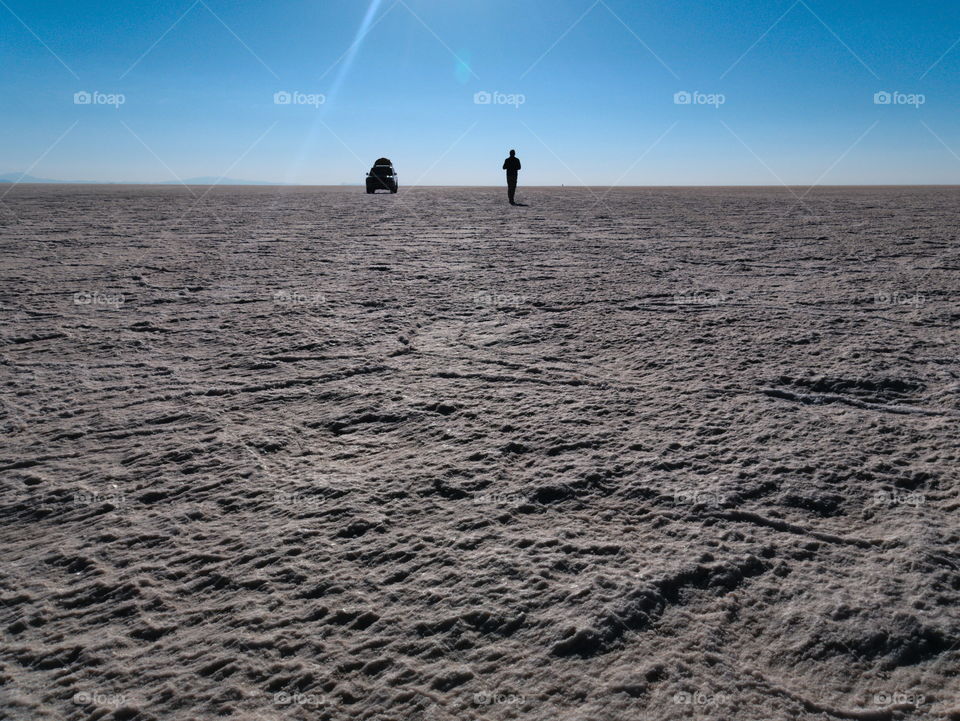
(513, 153)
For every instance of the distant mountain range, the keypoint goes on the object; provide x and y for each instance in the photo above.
(205, 180)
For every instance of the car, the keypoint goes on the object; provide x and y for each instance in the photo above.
(382, 176)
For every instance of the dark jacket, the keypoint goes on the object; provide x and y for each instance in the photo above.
(512, 165)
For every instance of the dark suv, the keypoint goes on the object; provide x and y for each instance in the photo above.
(382, 177)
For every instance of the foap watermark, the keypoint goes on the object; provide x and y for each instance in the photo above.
(489, 698)
(95, 297)
(697, 297)
(898, 298)
(706, 496)
(685, 97)
(885, 97)
(698, 698)
(499, 499)
(99, 698)
(283, 97)
(500, 299)
(87, 498)
(898, 698)
(297, 500)
(497, 98)
(83, 97)
(883, 498)
(292, 297)
(299, 699)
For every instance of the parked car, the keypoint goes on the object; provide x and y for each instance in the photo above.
(382, 176)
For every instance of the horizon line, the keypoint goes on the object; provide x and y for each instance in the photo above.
(270, 184)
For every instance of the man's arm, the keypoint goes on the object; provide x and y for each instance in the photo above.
(504, 165)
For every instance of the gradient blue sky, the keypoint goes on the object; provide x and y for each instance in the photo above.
(199, 80)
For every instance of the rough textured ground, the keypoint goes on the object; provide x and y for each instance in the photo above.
(304, 453)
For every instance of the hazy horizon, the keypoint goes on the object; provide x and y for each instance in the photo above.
(267, 184)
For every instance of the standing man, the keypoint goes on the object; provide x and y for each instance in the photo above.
(512, 166)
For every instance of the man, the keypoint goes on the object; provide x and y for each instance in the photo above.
(512, 166)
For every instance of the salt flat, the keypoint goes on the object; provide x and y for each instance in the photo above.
(306, 453)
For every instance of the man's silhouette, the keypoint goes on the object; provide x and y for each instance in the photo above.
(512, 166)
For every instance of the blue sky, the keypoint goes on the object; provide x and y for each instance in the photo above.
(785, 90)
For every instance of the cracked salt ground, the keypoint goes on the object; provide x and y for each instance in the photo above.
(690, 454)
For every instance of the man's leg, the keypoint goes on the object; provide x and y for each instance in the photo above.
(511, 190)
